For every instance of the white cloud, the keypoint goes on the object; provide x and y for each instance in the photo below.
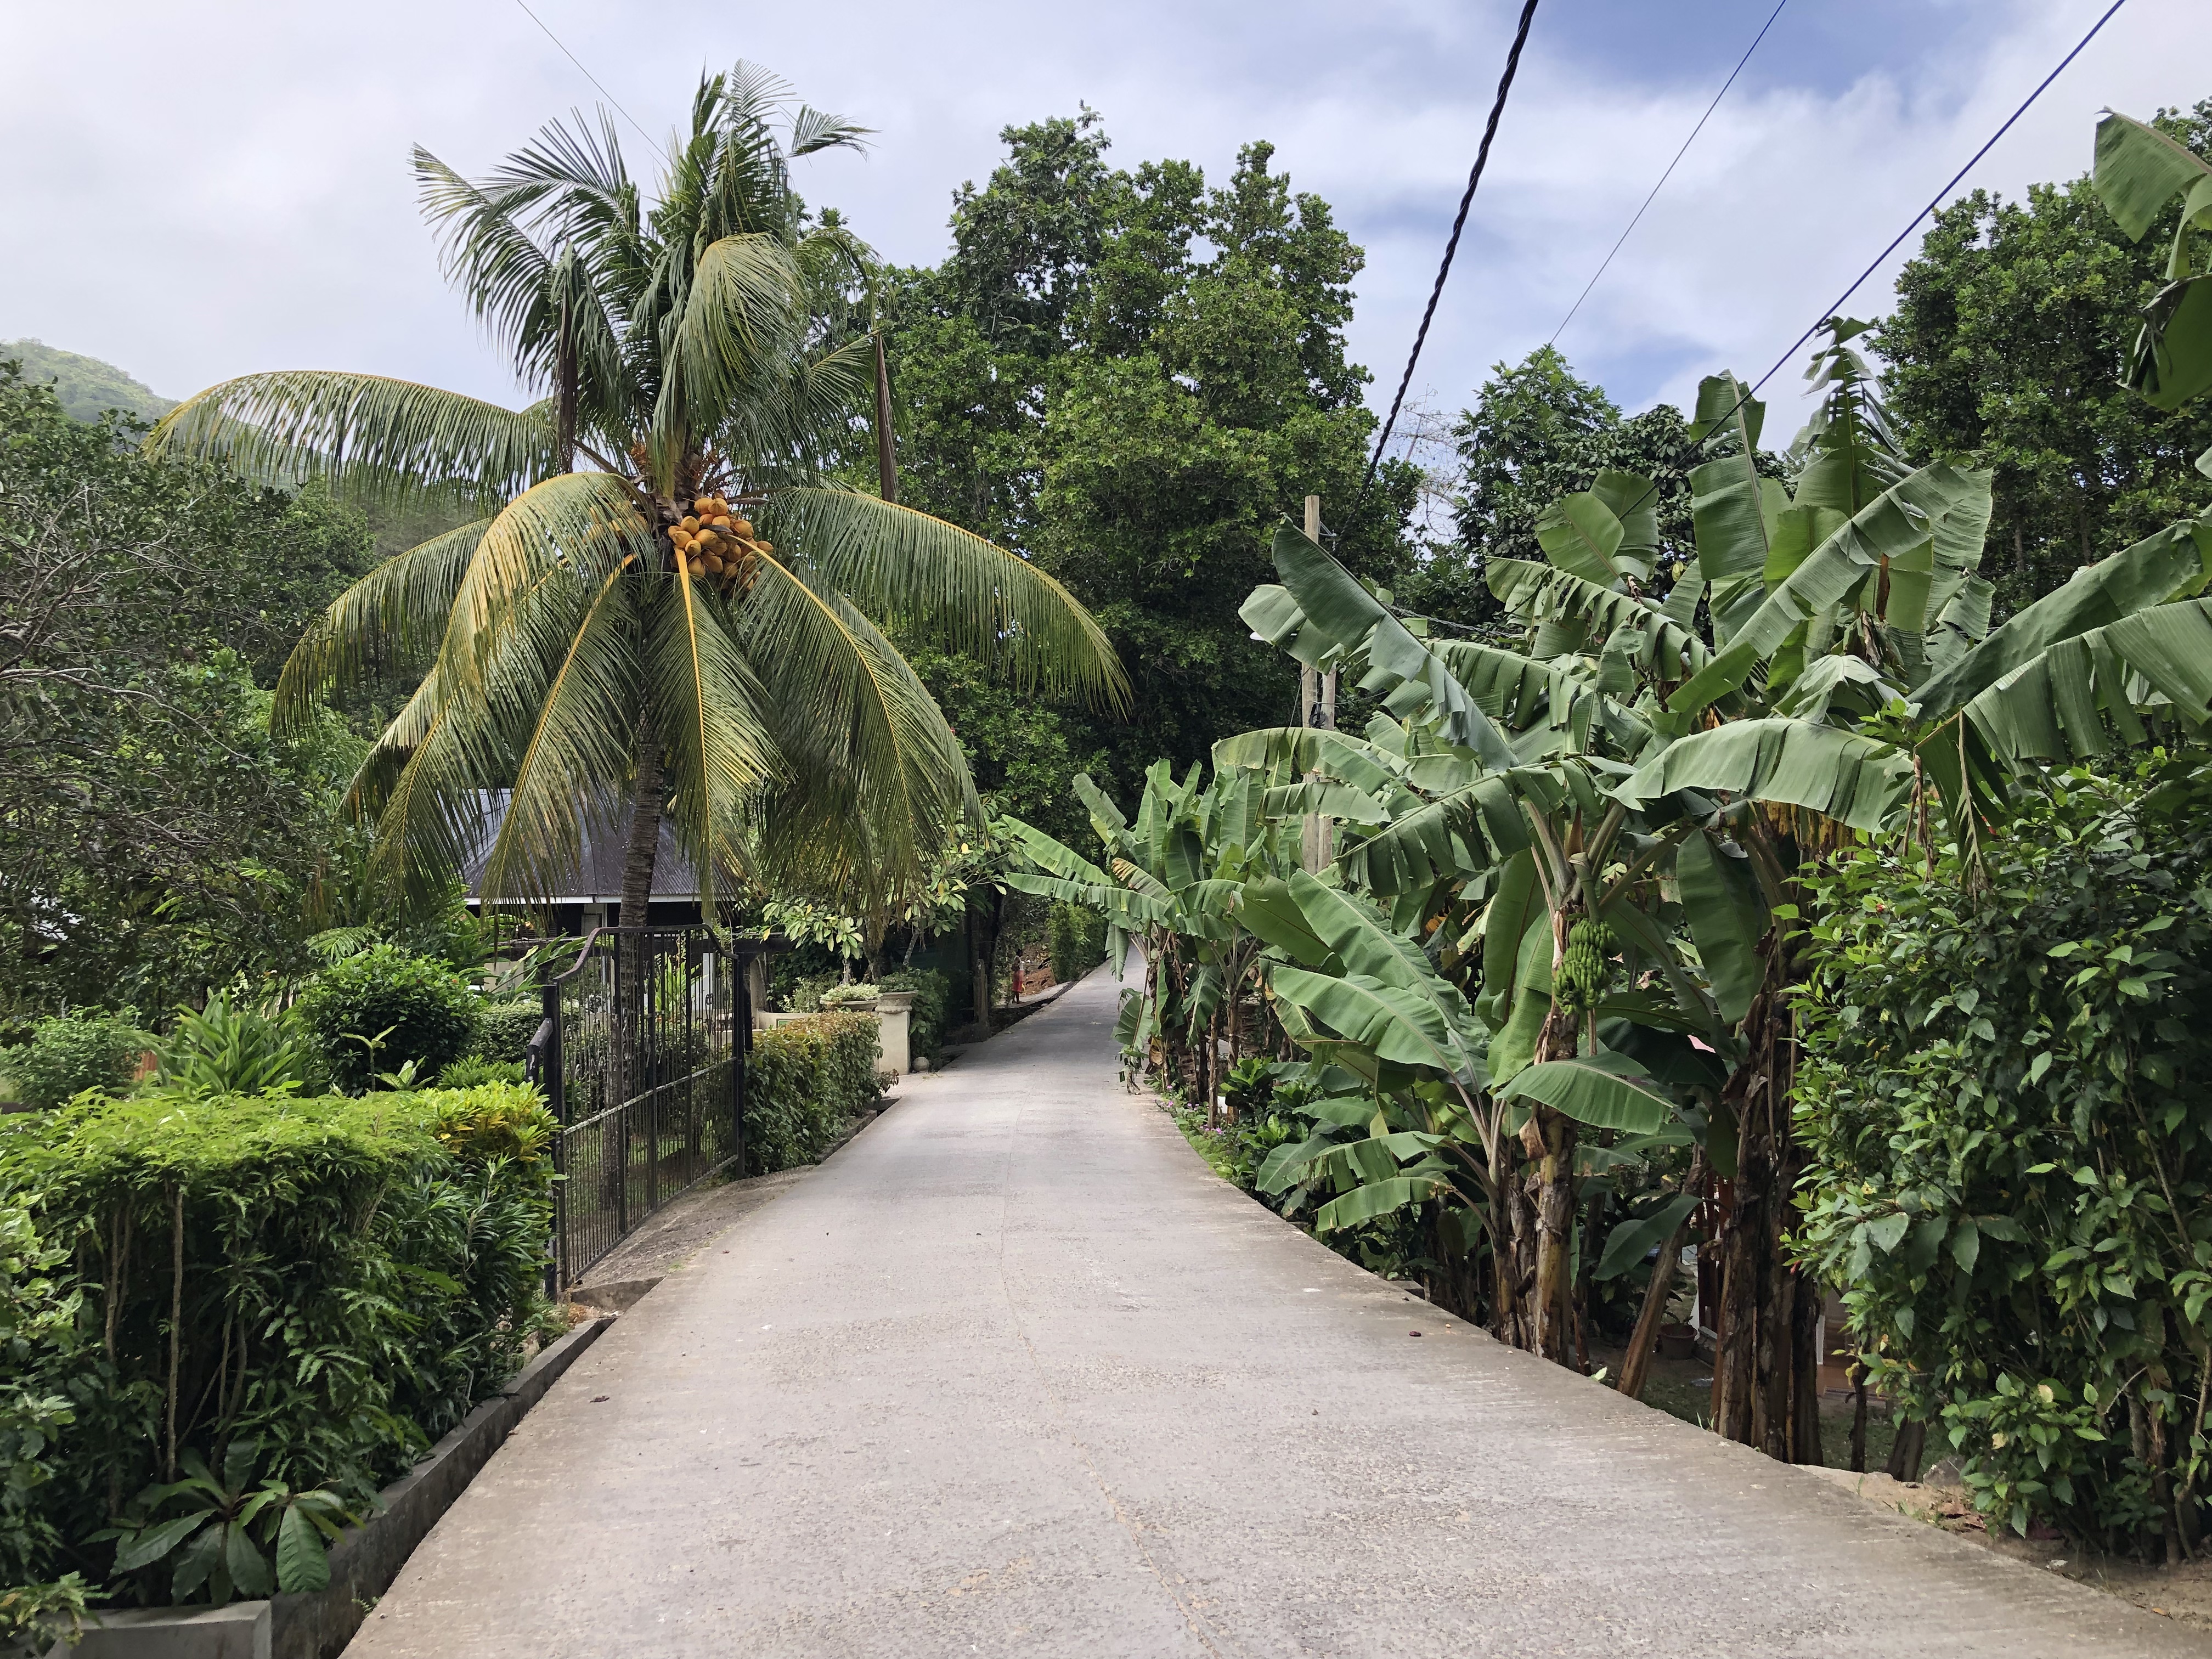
(192, 198)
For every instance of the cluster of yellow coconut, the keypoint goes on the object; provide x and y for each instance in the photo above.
(712, 545)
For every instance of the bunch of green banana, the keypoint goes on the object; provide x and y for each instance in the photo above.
(1580, 981)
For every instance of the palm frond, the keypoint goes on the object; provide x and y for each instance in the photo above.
(738, 317)
(584, 524)
(877, 782)
(372, 438)
(707, 703)
(579, 752)
(813, 130)
(391, 618)
(950, 586)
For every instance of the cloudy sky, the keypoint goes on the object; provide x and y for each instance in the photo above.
(193, 192)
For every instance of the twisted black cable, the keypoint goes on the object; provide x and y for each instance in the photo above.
(1466, 201)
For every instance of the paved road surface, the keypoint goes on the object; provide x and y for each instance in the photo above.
(1014, 1374)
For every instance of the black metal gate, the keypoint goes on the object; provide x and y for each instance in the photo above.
(642, 1056)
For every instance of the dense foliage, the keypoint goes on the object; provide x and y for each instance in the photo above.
(67, 1053)
(2010, 326)
(153, 838)
(2002, 1091)
(375, 1013)
(805, 1081)
(1131, 377)
(320, 1287)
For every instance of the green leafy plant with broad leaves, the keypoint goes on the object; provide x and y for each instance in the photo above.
(232, 1527)
(691, 625)
(67, 1053)
(225, 1048)
(384, 1009)
(2011, 1176)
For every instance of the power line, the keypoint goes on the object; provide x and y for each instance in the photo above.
(588, 75)
(1936, 201)
(1466, 200)
(1669, 173)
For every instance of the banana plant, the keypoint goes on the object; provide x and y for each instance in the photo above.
(1171, 883)
(2139, 172)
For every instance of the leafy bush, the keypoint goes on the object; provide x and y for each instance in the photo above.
(227, 1050)
(805, 1079)
(374, 1013)
(804, 995)
(469, 1070)
(1077, 939)
(2012, 1181)
(504, 1029)
(932, 1005)
(345, 1278)
(71, 1052)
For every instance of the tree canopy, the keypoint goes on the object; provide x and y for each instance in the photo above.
(1131, 376)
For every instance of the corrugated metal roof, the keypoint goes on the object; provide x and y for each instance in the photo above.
(597, 878)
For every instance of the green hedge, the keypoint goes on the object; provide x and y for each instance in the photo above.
(344, 1280)
(806, 1079)
(504, 1027)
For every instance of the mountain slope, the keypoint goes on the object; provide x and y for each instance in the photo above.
(86, 386)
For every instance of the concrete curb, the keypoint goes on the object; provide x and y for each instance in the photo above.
(364, 1563)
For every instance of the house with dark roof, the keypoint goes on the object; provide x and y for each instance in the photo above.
(591, 895)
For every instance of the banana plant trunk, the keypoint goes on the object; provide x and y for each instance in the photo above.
(1766, 1386)
(1636, 1364)
(1552, 1328)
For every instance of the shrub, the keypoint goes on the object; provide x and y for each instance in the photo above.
(804, 995)
(805, 1078)
(1077, 941)
(236, 1051)
(932, 1004)
(2002, 1094)
(374, 1013)
(469, 1070)
(355, 1276)
(851, 996)
(504, 1027)
(71, 1052)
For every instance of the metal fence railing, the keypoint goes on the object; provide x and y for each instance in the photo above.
(642, 1056)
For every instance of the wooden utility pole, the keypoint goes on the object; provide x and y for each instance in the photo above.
(1316, 708)
(886, 466)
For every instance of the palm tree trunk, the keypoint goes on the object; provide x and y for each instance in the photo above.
(644, 844)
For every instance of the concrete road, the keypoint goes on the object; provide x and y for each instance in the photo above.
(1014, 1374)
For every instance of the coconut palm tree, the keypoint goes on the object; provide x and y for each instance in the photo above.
(664, 603)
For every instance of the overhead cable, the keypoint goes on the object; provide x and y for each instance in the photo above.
(1936, 201)
(588, 75)
(1669, 173)
(1451, 247)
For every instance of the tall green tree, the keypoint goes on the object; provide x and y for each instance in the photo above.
(153, 838)
(1131, 376)
(579, 648)
(1535, 432)
(2012, 325)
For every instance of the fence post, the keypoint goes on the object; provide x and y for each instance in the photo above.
(545, 1059)
(741, 1043)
